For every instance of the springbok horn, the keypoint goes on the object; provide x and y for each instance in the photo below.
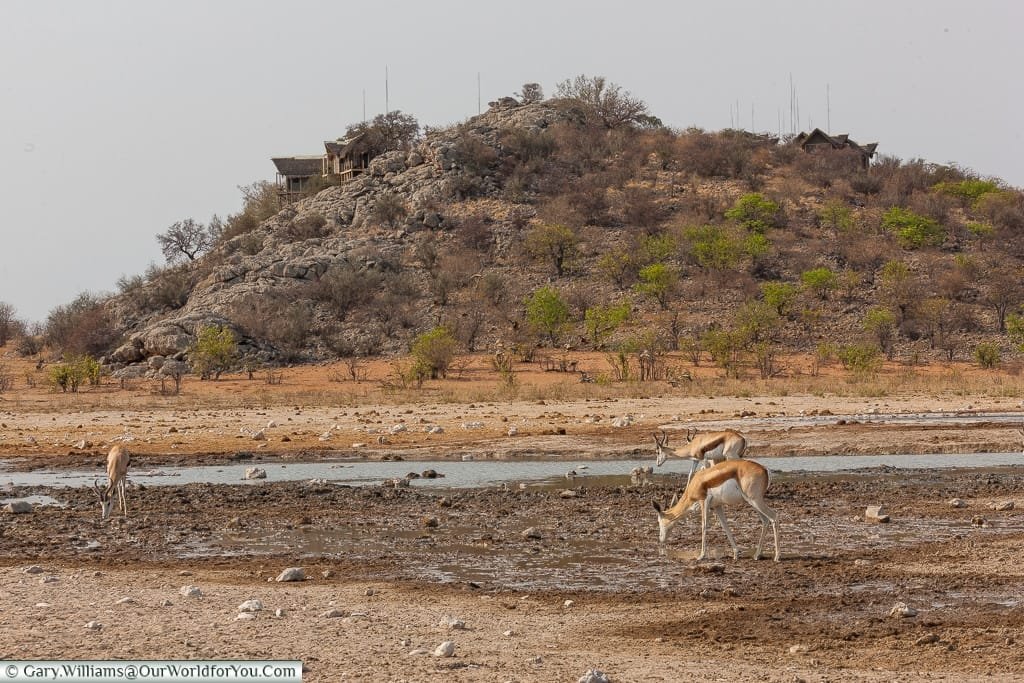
(675, 499)
(96, 488)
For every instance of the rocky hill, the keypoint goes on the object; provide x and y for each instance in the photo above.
(695, 234)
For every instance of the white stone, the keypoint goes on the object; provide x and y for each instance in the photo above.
(244, 616)
(594, 676)
(94, 626)
(255, 473)
(448, 621)
(125, 601)
(259, 436)
(33, 569)
(445, 649)
(18, 507)
(292, 574)
(250, 606)
(531, 532)
(513, 430)
(191, 591)
(332, 614)
(473, 425)
(279, 613)
(398, 428)
(901, 609)
(568, 603)
(957, 503)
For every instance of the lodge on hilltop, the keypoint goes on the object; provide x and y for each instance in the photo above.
(342, 158)
(818, 140)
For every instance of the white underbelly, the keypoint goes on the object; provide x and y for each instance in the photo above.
(727, 494)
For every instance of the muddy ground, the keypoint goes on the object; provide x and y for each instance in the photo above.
(397, 563)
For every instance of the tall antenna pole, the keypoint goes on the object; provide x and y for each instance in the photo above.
(478, 92)
(828, 109)
(364, 105)
(387, 104)
(751, 117)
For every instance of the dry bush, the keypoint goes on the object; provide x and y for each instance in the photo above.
(474, 155)
(83, 327)
(475, 231)
(344, 288)
(728, 154)
(823, 167)
(308, 227)
(636, 206)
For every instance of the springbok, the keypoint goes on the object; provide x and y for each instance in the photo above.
(728, 483)
(117, 473)
(702, 448)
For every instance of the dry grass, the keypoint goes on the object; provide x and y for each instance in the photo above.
(325, 385)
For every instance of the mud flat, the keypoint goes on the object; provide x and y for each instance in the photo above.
(547, 581)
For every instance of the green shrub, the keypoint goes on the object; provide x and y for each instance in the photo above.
(214, 352)
(433, 352)
(755, 212)
(601, 321)
(969, 190)
(659, 282)
(987, 355)
(70, 373)
(912, 231)
(819, 281)
(547, 313)
(861, 359)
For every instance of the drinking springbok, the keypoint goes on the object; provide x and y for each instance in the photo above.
(117, 473)
(728, 483)
(702, 448)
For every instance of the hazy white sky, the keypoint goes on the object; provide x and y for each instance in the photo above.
(119, 118)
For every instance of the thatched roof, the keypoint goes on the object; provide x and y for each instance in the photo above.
(344, 146)
(839, 141)
(299, 167)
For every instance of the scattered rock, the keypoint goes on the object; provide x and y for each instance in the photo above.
(531, 533)
(259, 436)
(94, 626)
(250, 606)
(244, 616)
(927, 639)
(33, 569)
(18, 507)
(594, 676)
(980, 521)
(1003, 506)
(292, 574)
(877, 514)
(125, 601)
(430, 522)
(255, 473)
(398, 428)
(623, 421)
(191, 591)
(332, 614)
(49, 579)
(799, 648)
(435, 429)
(472, 425)
(445, 649)
(957, 503)
(512, 431)
(279, 613)
(567, 493)
(568, 603)
(166, 603)
(902, 610)
(448, 621)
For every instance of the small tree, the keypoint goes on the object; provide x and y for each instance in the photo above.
(554, 242)
(601, 321)
(530, 93)
(214, 352)
(8, 322)
(755, 212)
(779, 295)
(433, 352)
(658, 281)
(881, 323)
(547, 313)
(608, 103)
(187, 239)
(819, 281)
(391, 131)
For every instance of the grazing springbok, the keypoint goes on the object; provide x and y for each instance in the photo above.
(117, 472)
(728, 483)
(702, 448)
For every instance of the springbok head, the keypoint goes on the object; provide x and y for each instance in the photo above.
(106, 500)
(661, 443)
(691, 432)
(665, 522)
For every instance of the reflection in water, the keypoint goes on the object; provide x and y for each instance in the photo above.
(480, 473)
